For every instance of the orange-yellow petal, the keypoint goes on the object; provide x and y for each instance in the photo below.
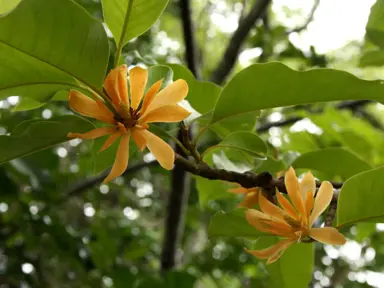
(238, 190)
(250, 200)
(327, 235)
(160, 149)
(276, 257)
(293, 189)
(150, 96)
(267, 223)
(93, 134)
(110, 140)
(137, 82)
(116, 86)
(308, 203)
(287, 206)
(272, 250)
(121, 160)
(139, 139)
(307, 183)
(168, 113)
(268, 208)
(89, 107)
(322, 200)
(170, 95)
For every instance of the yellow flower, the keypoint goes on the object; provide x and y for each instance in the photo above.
(294, 219)
(251, 197)
(130, 118)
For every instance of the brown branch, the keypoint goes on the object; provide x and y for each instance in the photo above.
(235, 43)
(331, 213)
(90, 182)
(246, 179)
(309, 19)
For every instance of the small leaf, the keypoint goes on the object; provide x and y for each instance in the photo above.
(128, 19)
(262, 86)
(294, 268)
(361, 198)
(247, 142)
(34, 135)
(336, 161)
(210, 190)
(232, 224)
(26, 104)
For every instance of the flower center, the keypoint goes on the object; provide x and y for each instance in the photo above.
(127, 116)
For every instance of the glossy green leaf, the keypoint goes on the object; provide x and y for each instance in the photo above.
(202, 95)
(375, 25)
(361, 198)
(33, 39)
(247, 142)
(262, 86)
(8, 5)
(210, 190)
(158, 72)
(26, 104)
(232, 224)
(294, 268)
(336, 161)
(128, 19)
(357, 143)
(40, 134)
(271, 165)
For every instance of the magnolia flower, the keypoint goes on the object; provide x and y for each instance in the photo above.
(251, 197)
(293, 220)
(128, 118)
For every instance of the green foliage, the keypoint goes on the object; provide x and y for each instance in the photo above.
(40, 134)
(294, 269)
(232, 224)
(335, 161)
(375, 25)
(262, 86)
(128, 19)
(32, 49)
(361, 198)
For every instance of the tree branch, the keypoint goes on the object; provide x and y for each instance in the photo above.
(90, 182)
(235, 43)
(189, 38)
(309, 19)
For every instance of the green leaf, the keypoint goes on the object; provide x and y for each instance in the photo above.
(34, 135)
(271, 165)
(26, 104)
(47, 46)
(357, 143)
(210, 190)
(361, 198)
(128, 19)
(375, 24)
(202, 95)
(372, 58)
(294, 268)
(8, 5)
(336, 161)
(232, 224)
(244, 141)
(270, 85)
(176, 279)
(158, 72)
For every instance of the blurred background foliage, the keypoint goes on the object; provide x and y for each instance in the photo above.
(60, 228)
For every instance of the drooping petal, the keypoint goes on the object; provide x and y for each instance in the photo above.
(268, 208)
(276, 257)
(121, 160)
(116, 86)
(89, 107)
(287, 206)
(93, 134)
(322, 200)
(139, 139)
(150, 96)
(137, 81)
(168, 113)
(170, 95)
(293, 189)
(111, 139)
(272, 250)
(160, 149)
(307, 183)
(327, 235)
(250, 200)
